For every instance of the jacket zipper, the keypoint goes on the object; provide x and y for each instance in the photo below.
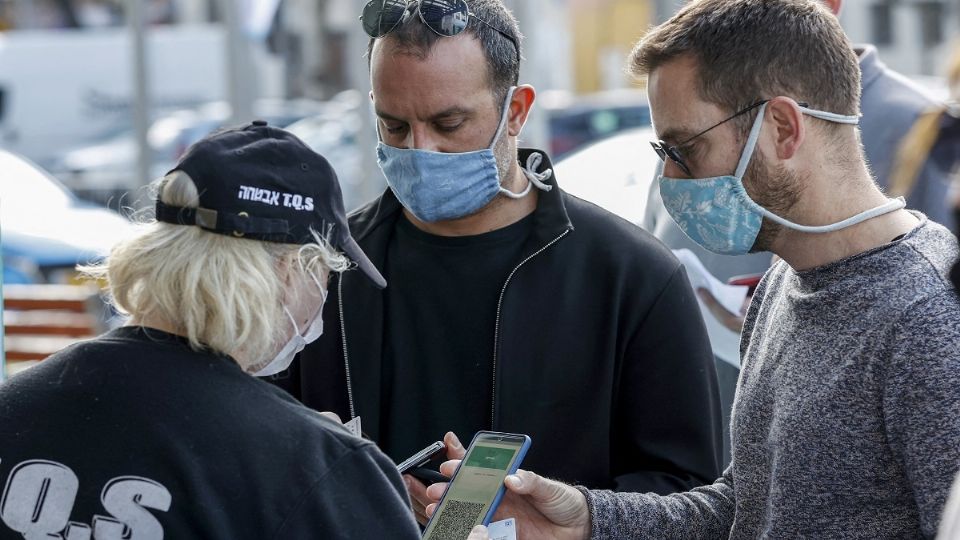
(346, 356)
(496, 330)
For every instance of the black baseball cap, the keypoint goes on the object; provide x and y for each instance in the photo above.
(263, 183)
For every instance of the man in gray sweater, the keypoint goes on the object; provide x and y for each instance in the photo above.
(847, 417)
(890, 104)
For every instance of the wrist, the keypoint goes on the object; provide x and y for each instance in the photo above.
(585, 521)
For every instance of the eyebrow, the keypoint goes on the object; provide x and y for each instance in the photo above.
(384, 116)
(674, 136)
(447, 113)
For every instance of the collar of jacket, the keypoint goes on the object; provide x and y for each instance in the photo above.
(361, 304)
(551, 217)
(870, 65)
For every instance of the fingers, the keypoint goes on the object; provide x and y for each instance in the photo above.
(436, 491)
(431, 508)
(455, 450)
(332, 416)
(732, 321)
(418, 497)
(479, 533)
(449, 467)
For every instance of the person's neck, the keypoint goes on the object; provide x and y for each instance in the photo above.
(804, 251)
(501, 212)
(157, 323)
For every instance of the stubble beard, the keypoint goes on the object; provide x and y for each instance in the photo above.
(774, 188)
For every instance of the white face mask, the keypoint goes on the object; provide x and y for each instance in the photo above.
(297, 341)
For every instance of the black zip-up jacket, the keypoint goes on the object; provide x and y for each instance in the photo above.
(615, 382)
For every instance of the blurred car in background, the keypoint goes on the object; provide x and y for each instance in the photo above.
(335, 135)
(45, 230)
(614, 173)
(104, 170)
(576, 121)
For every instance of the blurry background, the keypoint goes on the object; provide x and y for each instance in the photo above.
(78, 90)
(99, 97)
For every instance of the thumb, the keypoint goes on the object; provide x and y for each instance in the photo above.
(479, 533)
(455, 449)
(528, 483)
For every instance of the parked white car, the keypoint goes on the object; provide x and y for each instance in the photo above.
(45, 230)
(614, 173)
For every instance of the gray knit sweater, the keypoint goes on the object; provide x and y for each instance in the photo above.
(847, 417)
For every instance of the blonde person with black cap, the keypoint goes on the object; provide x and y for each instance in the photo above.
(159, 428)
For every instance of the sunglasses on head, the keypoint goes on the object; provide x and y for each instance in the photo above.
(444, 17)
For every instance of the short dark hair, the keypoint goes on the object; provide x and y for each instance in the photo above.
(748, 50)
(503, 59)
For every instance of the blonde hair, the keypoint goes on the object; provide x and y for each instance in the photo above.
(222, 293)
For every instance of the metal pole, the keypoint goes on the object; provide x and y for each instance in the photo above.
(141, 102)
(3, 336)
(240, 85)
(536, 66)
(358, 75)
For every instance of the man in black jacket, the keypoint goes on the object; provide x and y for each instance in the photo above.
(512, 306)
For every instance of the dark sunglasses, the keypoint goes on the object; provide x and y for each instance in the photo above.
(665, 150)
(445, 17)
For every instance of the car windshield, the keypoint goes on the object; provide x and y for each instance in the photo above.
(21, 183)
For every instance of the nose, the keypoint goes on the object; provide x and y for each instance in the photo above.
(421, 138)
(672, 170)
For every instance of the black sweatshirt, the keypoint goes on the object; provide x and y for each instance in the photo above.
(601, 355)
(134, 429)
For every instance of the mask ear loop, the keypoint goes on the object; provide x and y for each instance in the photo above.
(890, 206)
(296, 329)
(503, 118)
(751, 145)
(534, 179)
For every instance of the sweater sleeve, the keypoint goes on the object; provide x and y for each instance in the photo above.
(668, 366)
(922, 402)
(704, 513)
(363, 495)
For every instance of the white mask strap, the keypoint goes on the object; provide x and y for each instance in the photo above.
(751, 143)
(503, 117)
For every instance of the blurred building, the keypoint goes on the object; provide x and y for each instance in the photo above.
(914, 37)
(604, 32)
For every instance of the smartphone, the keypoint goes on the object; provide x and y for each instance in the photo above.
(477, 486)
(421, 458)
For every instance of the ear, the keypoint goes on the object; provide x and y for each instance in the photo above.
(285, 272)
(520, 106)
(788, 126)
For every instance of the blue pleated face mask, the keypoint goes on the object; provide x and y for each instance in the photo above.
(719, 215)
(437, 186)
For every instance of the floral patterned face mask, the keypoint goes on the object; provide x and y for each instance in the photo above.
(718, 214)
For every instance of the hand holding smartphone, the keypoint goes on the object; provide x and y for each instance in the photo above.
(421, 458)
(477, 486)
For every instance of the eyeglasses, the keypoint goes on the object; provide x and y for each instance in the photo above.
(673, 152)
(445, 17)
